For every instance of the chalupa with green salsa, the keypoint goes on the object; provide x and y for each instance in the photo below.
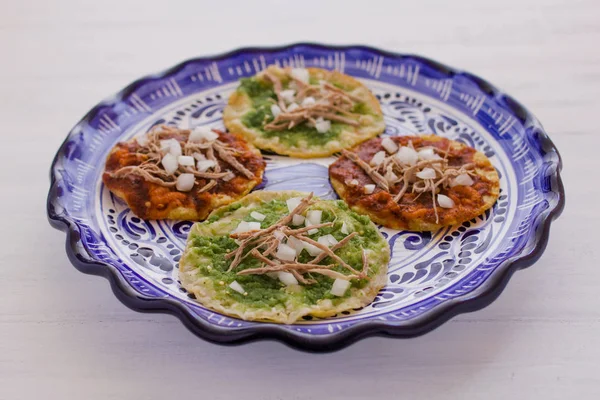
(303, 112)
(279, 256)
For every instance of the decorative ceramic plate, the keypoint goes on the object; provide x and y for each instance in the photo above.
(432, 276)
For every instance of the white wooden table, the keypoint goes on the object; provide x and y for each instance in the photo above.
(64, 335)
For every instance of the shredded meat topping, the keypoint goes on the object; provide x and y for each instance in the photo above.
(392, 172)
(150, 155)
(331, 103)
(261, 245)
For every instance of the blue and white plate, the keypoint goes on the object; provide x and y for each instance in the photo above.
(431, 276)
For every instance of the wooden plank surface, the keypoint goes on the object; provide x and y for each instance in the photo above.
(64, 335)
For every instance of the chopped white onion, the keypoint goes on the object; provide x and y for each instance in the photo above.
(237, 287)
(169, 163)
(406, 155)
(390, 176)
(344, 229)
(202, 133)
(198, 156)
(275, 110)
(353, 182)
(288, 95)
(297, 219)
(287, 278)
(171, 146)
(293, 203)
(389, 145)
(369, 189)
(247, 227)
(142, 140)
(378, 158)
(296, 244)
(293, 107)
(445, 201)
(427, 154)
(308, 101)
(258, 216)
(301, 74)
(426, 173)
(461, 180)
(204, 165)
(314, 217)
(312, 249)
(165, 145)
(279, 235)
(312, 231)
(285, 252)
(322, 126)
(254, 226)
(339, 287)
(186, 161)
(185, 182)
(327, 240)
(230, 175)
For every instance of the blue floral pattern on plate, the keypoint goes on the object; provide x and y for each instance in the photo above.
(430, 274)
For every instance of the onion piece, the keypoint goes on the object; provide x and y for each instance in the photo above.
(202, 133)
(199, 156)
(186, 161)
(297, 219)
(312, 249)
(230, 175)
(314, 217)
(279, 235)
(378, 158)
(301, 74)
(237, 287)
(353, 182)
(254, 226)
(327, 240)
(389, 145)
(445, 201)
(308, 101)
(285, 252)
(244, 226)
(275, 110)
(287, 278)
(175, 148)
(288, 95)
(169, 163)
(390, 176)
(142, 140)
(171, 146)
(258, 216)
(426, 173)
(407, 156)
(293, 203)
(185, 182)
(296, 244)
(322, 126)
(339, 287)
(344, 229)
(165, 145)
(427, 154)
(204, 165)
(293, 107)
(369, 189)
(462, 180)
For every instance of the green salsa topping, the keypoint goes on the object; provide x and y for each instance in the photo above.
(209, 242)
(262, 97)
